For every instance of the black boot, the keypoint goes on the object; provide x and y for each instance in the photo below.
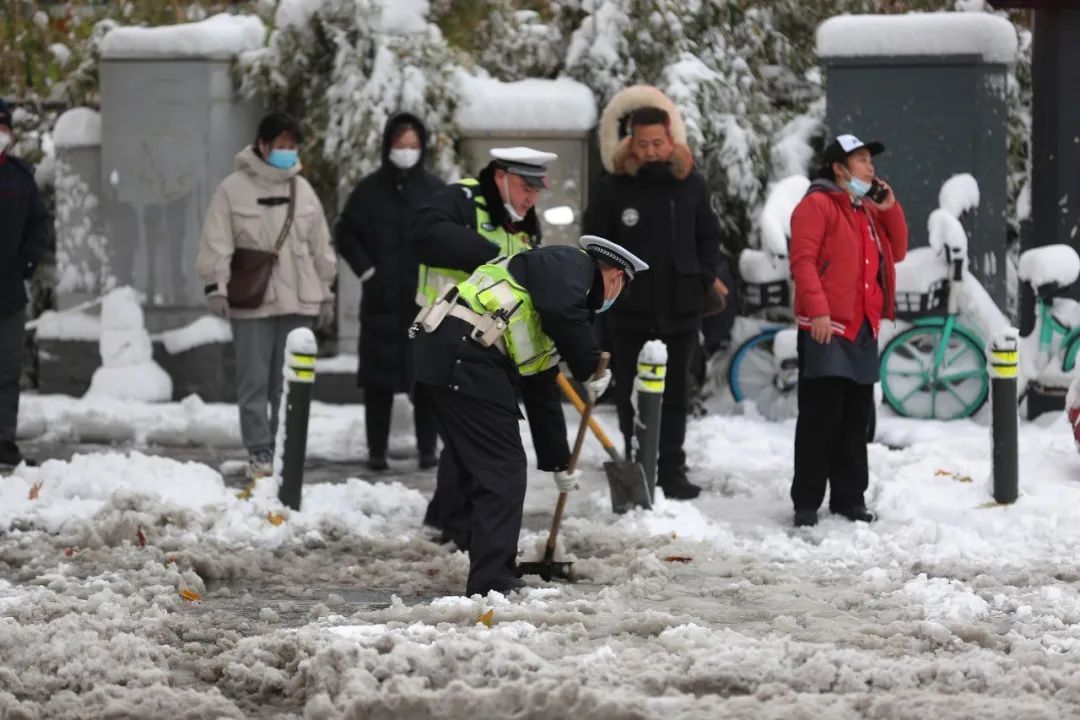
(805, 518)
(428, 460)
(855, 513)
(377, 462)
(10, 455)
(677, 487)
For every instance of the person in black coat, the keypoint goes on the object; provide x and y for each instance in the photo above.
(656, 205)
(373, 236)
(25, 230)
(476, 390)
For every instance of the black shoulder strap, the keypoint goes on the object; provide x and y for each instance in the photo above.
(288, 217)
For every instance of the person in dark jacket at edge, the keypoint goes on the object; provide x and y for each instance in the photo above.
(25, 231)
(656, 205)
(373, 235)
(548, 298)
(467, 224)
(844, 250)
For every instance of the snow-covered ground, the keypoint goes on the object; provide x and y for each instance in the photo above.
(948, 607)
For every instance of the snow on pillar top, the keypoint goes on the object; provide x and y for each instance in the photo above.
(561, 105)
(941, 33)
(301, 341)
(78, 127)
(220, 36)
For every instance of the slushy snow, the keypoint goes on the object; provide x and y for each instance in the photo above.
(950, 606)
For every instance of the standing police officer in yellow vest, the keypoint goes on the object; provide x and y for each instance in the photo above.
(501, 331)
(465, 225)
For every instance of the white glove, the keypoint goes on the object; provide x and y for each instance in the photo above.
(567, 481)
(218, 305)
(597, 385)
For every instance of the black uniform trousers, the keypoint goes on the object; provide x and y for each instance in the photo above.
(830, 442)
(11, 352)
(378, 409)
(626, 344)
(484, 442)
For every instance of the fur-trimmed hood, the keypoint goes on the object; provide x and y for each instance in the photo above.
(615, 143)
(624, 162)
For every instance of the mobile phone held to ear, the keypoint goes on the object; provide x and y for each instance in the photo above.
(877, 192)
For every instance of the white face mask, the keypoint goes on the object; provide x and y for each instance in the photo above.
(404, 158)
(506, 203)
(5, 141)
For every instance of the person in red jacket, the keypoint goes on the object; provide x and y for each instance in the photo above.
(844, 250)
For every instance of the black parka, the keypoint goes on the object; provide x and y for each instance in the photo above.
(661, 213)
(25, 231)
(373, 232)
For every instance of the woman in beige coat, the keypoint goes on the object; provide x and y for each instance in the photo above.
(250, 210)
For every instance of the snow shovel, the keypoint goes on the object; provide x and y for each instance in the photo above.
(627, 481)
(548, 568)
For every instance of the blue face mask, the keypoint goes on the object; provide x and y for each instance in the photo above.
(282, 159)
(858, 187)
(608, 302)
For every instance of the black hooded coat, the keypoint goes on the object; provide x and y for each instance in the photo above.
(374, 232)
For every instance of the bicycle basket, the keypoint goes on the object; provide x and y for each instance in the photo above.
(755, 297)
(911, 305)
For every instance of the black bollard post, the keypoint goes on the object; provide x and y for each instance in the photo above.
(1004, 421)
(299, 372)
(649, 387)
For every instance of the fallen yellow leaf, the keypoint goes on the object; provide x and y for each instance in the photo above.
(488, 618)
(274, 518)
(678, 558)
(190, 595)
(35, 489)
(245, 494)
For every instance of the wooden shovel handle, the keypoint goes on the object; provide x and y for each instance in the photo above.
(579, 441)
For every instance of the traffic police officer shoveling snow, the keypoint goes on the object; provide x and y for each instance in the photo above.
(464, 226)
(504, 329)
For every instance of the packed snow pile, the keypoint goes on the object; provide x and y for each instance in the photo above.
(205, 331)
(54, 325)
(78, 127)
(988, 36)
(128, 370)
(1058, 264)
(537, 105)
(221, 36)
(775, 221)
(959, 194)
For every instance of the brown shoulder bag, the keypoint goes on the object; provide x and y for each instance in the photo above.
(249, 271)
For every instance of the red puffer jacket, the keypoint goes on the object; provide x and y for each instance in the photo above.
(827, 257)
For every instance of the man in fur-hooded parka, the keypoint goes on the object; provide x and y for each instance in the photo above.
(656, 205)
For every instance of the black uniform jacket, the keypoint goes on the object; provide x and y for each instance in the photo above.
(374, 232)
(445, 233)
(25, 231)
(661, 213)
(566, 289)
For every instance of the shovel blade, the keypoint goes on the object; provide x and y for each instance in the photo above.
(547, 570)
(629, 488)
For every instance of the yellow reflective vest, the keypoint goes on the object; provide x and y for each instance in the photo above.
(492, 289)
(433, 280)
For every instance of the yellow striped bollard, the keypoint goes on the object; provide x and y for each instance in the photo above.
(1003, 364)
(649, 389)
(299, 371)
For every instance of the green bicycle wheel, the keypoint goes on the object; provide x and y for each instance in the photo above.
(915, 388)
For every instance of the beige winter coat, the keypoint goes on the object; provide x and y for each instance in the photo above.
(306, 265)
